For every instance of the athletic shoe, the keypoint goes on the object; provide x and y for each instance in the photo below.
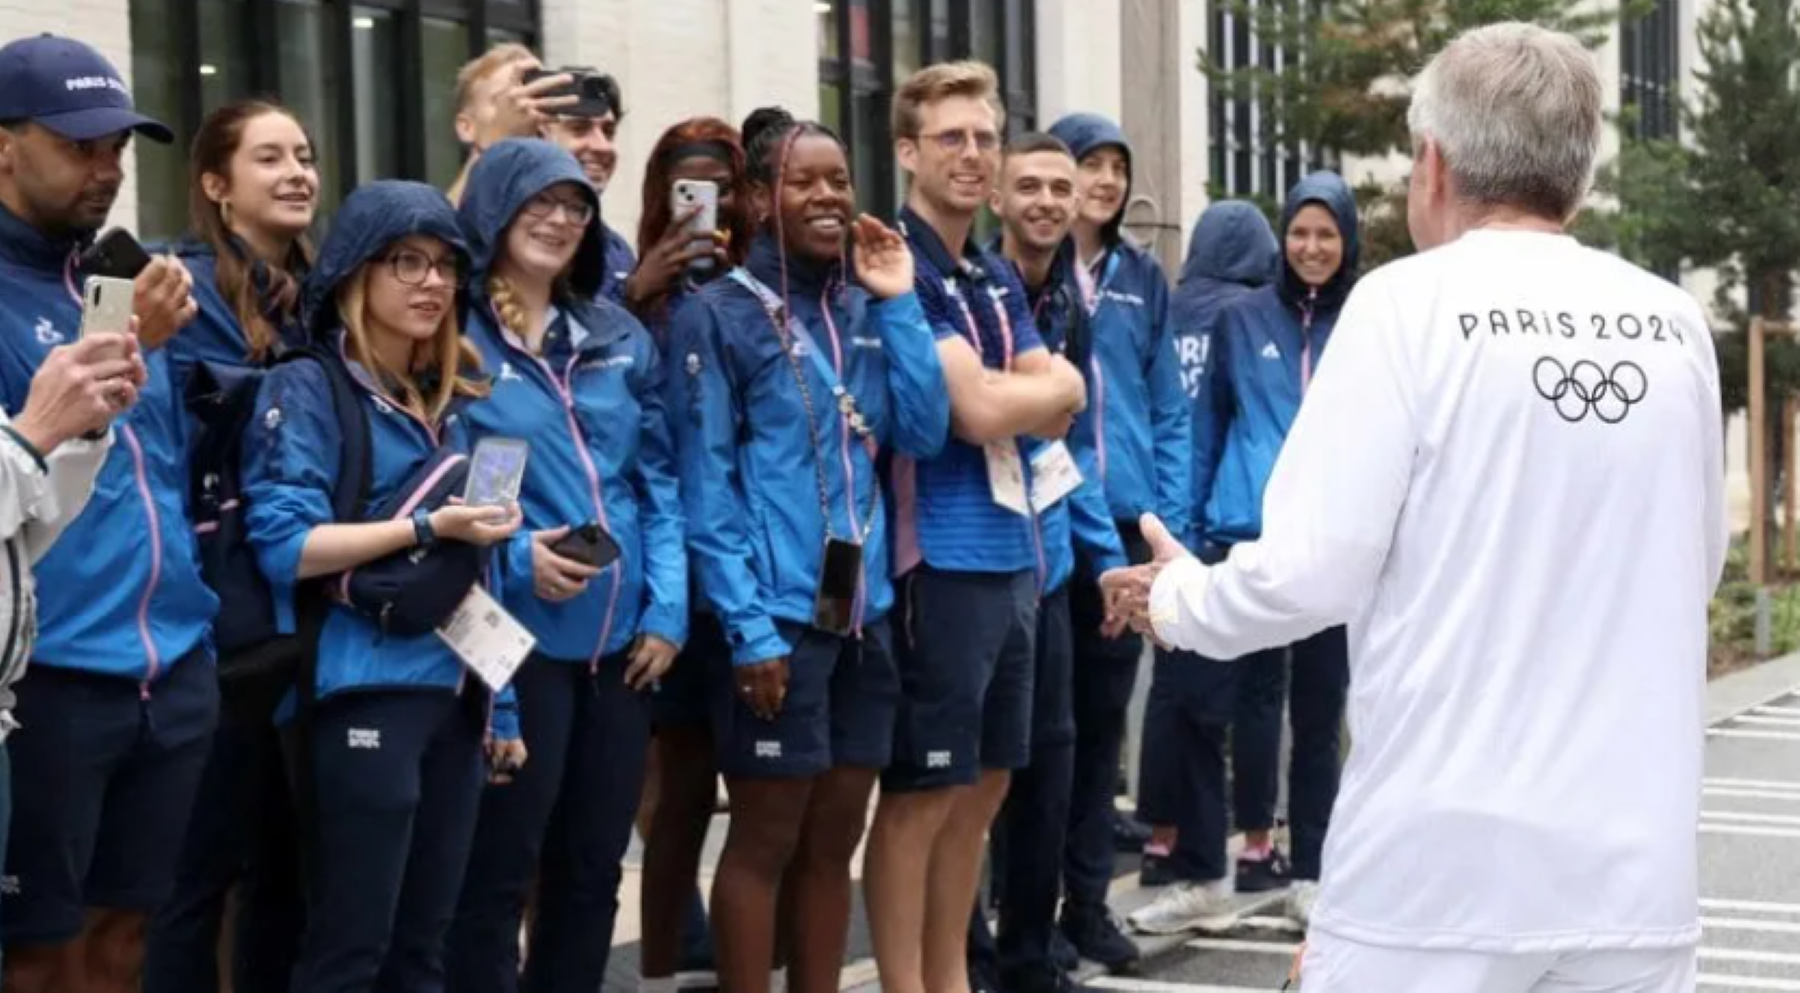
(1097, 937)
(1186, 906)
(1264, 874)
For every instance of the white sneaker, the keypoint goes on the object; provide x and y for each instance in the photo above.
(1300, 901)
(1186, 906)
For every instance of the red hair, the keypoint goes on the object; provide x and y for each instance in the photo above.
(656, 217)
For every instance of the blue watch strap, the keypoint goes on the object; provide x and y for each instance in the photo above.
(423, 534)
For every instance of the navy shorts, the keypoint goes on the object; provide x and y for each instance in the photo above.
(103, 781)
(966, 642)
(683, 697)
(842, 697)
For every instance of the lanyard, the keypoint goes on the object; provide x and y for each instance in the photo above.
(1090, 289)
(1306, 323)
(788, 332)
(1006, 331)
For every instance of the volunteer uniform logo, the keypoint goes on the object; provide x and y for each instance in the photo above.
(46, 332)
(1585, 388)
(367, 739)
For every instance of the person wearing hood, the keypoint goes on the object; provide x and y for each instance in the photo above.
(253, 192)
(580, 378)
(798, 371)
(1141, 425)
(117, 717)
(396, 730)
(1037, 200)
(1192, 708)
(494, 103)
(1264, 354)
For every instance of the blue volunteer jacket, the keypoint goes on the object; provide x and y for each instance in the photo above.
(216, 335)
(1232, 251)
(592, 408)
(1080, 526)
(620, 262)
(120, 594)
(291, 447)
(1248, 400)
(751, 466)
(1142, 418)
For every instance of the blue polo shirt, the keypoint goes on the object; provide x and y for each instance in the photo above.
(945, 512)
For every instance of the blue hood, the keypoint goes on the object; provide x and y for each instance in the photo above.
(1232, 243)
(511, 173)
(372, 218)
(1329, 190)
(1084, 133)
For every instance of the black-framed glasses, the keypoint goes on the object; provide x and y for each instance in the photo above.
(412, 268)
(956, 141)
(540, 207)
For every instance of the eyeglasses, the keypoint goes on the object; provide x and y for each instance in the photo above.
(540, 207)
(412, 268)
(956, 141)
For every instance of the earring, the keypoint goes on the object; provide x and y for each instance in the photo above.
(225, 212)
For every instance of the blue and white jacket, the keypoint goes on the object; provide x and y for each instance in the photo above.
(120, 594)
(752, 466)
(591, 407)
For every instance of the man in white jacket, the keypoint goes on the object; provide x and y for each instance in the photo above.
(50, 453)
(1507, 479)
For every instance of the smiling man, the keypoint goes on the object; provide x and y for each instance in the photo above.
(1141, 421)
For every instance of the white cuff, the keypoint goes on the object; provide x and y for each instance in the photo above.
(1184, 579)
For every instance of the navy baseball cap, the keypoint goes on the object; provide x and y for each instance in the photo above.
(71, 89)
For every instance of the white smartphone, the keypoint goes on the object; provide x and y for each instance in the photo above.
(106, 305)
(684, 197)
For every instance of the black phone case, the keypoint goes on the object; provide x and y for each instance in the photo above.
(116, 254)
(834, 605)
(588, 545)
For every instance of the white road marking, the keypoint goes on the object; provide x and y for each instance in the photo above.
(1743, 794)
(1253, 947)
(1789, 785)
(1774, 722)
(1745, 955)
(1750, 906)
(1155, 986)
(1745, 733)
(1748, 924)
(1744, 817)
(1747, 982)
(1777, 711)
(1761, 832)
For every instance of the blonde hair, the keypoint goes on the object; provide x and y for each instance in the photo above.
(479, 69)
(941, 82)
(507, 308)
(454, 360)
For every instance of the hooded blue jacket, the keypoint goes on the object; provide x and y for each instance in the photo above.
(1232, 251)
(1248, 400)
(216, 335)
(291, 448)
(752, 465)
(592, 408)
(109, 601)
(1142, 418)
(1080, 525)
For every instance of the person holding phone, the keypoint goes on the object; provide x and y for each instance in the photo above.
(681, 780)
(598, 574)
(792, 374)
(119, 712)
(253, 192)
(397, 733)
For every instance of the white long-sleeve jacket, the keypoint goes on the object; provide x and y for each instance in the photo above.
(1507, 478)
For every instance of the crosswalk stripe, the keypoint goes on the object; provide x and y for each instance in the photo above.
(1747, 982)
(1777, 711)
(1747, 733)
(1743, 794)
(1748, 924)
(1763, 832)
(1749, 906)
(1253, 947)
(1157, 986)
(1745, 817)
(1789, 785)
(1747, 955)
(1774, 722)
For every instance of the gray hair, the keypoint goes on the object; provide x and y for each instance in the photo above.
(1516, 111)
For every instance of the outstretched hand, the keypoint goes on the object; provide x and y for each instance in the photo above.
(1127, 590)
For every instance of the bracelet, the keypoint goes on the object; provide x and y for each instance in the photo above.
(424, 536)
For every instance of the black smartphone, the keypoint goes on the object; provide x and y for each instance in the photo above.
(116, 254)
(834, 606)
(588, 544)
(591, 90)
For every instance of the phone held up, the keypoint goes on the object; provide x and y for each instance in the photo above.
(106, 303)
(688, 194)
(588, 544)
(496, 472)
(115, 254)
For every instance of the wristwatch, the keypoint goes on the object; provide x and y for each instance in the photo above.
(423, 534)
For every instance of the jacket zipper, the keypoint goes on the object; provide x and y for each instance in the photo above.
(566, 395)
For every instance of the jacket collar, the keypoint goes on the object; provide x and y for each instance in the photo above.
(807, 278)
(26, 246)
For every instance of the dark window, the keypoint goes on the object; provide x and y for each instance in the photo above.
(1245, 160)
(868, 47)
(372, 80)
(1649, 68)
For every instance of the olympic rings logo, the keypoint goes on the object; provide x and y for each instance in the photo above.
(1583, 388)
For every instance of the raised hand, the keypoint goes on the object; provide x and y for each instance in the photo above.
(884, 265)
(1127, 590)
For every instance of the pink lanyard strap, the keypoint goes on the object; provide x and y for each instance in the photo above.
(1306, 323)
(1006, 333)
